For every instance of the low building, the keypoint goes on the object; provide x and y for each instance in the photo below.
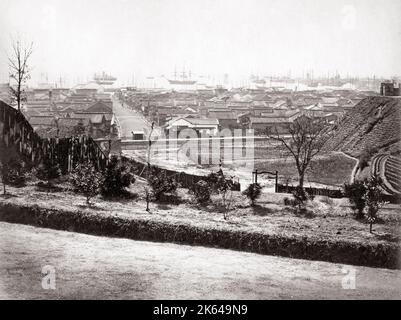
(68, 127)
(265, 125)
(390, 88)
(42, 122)
(227, 119)
(201, 126)
(138, 135)
(99, 107)
(100, 123)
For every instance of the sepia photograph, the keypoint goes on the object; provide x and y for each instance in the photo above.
(200, 150)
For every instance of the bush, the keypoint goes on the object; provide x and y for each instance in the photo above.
(300, 198)
(201, 192)
(374, 199)
(48, 170)
(222, 186)
(15, 174)
(287, 201)
(253, 192)
(366, 194)
(117, 176)
(12, 168)
(86, 180)
(160, 183)
(355, 192)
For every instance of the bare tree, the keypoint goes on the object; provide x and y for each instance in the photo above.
(303, 139)
(147, 190)
(19, 70)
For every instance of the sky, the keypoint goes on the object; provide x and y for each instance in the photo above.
(132, 39)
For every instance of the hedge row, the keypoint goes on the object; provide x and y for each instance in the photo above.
(372, 255)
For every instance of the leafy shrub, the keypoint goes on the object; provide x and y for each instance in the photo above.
(368, 195)
(287, 201)
(299, 195)
(48, 170)
(299, 201)
(374, 199)
(86, 180)
(117, 176)
(13, 173)
(223, 187)
(160, 183)
(12, 169)
(253, 192)
(201, 192)
(218, 182)
(355, 192)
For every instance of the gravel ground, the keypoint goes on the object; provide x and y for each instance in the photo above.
(90, 267)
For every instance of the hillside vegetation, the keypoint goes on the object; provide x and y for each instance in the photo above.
(374, 123)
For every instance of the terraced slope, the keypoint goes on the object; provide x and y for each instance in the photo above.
(373, 123)
(389, 169)
(392, 172)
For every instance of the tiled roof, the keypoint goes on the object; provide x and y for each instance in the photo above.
(222, 115)
(268, 120)
(208, 121)
(72, 122)
(99, 106)
(41, 121)
(196, 121)
(93, 117)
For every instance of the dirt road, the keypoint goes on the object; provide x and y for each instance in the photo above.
(130, 120)
(90, 267)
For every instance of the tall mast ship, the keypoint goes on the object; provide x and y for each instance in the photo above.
(104, 78)
(183, 80)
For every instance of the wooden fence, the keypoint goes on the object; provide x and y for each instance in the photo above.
(186, 180)
(15, 130)
(332, 193)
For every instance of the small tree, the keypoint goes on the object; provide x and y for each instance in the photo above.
(374, 199)
(48, 170)
(306, 137)
(148, 168)
(201, 192)
(253, 192)
(355, 192)
(223, 187)
(117, 177)
(86, 180)
(160, 184)
(19, 70)
(244, 121)
(368, 195)
(79, 129)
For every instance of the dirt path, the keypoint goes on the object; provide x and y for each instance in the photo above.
(89, 267)
(100, 267)
(130, 120)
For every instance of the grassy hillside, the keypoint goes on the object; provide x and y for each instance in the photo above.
(373, 123)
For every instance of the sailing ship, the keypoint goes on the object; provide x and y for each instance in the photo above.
(104, 78)
(184, 79)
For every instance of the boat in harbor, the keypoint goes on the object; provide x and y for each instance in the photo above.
(183, 80)
(104, 78)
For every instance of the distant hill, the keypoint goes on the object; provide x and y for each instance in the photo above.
(374, 123)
